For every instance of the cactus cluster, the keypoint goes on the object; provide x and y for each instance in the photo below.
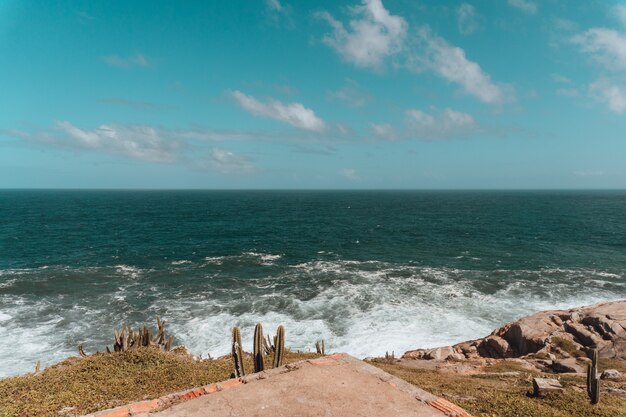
(593, 382)
(262, 347)
(127, 338)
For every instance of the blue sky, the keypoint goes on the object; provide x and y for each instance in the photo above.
(328, 94)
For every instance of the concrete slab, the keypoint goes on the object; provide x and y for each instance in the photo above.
(333, 386)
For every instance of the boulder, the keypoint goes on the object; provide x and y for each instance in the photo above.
(543, 386)
(442, 353)
(566, 366)
(610, 374)
(494, 347)
(601, 326)
(583, 335)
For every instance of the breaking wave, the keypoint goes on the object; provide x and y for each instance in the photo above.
(361, 307)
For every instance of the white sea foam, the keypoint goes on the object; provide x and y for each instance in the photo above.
(265, 259)
(129, 271)
(181, 262)
(363, 308)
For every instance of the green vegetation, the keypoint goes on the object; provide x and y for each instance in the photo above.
(102, 381)
(506, 395)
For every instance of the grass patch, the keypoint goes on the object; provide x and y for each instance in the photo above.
(104, 381)
(568, 346)
(508, 366)
(505, 396)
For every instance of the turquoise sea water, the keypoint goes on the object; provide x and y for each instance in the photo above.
(369, 271)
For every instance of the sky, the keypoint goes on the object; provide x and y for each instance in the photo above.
(279, 94)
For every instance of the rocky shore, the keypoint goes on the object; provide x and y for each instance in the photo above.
(555, 340)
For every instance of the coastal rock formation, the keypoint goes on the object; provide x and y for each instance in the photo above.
(559, 339)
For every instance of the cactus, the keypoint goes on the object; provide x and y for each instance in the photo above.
(279, 347)
(259, 346)
(320, 348)
(267, 346)
(238, 353)
(593, 382)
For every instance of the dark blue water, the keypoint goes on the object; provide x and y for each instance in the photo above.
(368, 271)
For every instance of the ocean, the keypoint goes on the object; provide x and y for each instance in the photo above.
(368, 271)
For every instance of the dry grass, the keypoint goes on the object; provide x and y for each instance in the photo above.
(506, 396)
(568, 346)
(104, 381)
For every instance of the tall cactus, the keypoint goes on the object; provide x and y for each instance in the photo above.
(279, 349)
(259, 346)
(593, 382)
(237, 353)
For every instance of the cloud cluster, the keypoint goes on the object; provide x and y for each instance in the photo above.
(373, 35)
(436, 124)
(136, 141)
(608, 48)
(294, 114)
(147, 143)
(451, 63)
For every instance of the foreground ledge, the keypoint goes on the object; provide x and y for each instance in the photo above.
(338, 385)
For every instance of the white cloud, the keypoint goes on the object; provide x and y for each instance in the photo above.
(619, 12)
(466, 19)
(274, 5)
(373, 35)
(137, 141)
(138, 60)
(526, 6)
(451, 63)
(350, 173)
(294, 114)
(614, 95)
(564, 24)
(228, 162)
(384, 130)
(279, 12)
(351, 93)
(440, 125)
(607, 46)
(436, 124)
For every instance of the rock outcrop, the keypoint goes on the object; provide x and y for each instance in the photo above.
(561, 339)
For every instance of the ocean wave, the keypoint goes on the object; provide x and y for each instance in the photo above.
(265, 259)
(361, 307)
